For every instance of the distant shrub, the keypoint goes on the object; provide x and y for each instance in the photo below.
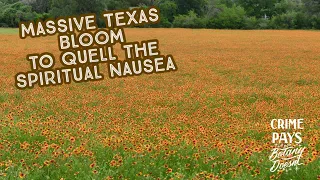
(43, 16)
(190, 20)
(315, 22)
(284, 21)
(263, 23)
(229, 18)
(4, 25)
(302, 21)
(164, 22)
(251, 23)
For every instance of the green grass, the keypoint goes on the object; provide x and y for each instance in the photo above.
(9, 30)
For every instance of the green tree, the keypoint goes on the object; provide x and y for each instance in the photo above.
(229, 18)
(258, 8)
(313, 11)
(39, 6)
(117, 4)
(76, 7)
(92, 6)
(228, 3)
(63, 8)
(9, 1)
(185, 6)
(285, 6)
(312, 7)
(284, 21)
(190, 20)
(168, 10)
(12, 14)
(290, 14)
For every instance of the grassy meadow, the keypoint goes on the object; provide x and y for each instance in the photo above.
(209, 120)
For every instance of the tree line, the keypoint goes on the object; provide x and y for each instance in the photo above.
(216, 14)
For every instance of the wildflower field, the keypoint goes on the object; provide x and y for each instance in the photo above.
(208, 120)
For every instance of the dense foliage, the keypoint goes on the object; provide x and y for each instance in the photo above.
(221, 14)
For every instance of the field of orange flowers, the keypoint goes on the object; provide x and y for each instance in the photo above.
(209, 120)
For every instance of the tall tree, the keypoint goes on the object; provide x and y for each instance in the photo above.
(92, 6)
(184, 6)
(39, 6)
(258, 8)
(63, 8)
(312, 6)
(12, 14)
(76, 7)
(168, 9)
